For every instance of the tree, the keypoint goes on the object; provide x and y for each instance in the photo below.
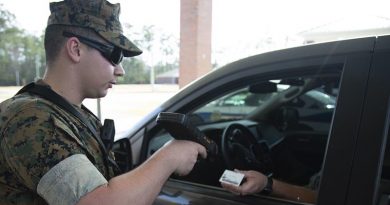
(20, 52)
(135, 72)
(22, 56)
(8, 34)
(34, 57)
(6, 18)
(160, 54)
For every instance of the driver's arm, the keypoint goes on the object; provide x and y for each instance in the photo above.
(293, 192)
(255, 182)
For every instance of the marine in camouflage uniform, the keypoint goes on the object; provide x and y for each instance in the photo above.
(35, 136)
(42, 145)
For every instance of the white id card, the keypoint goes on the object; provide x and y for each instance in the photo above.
(231, 177)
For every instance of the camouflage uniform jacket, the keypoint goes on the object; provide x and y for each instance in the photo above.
(35, 135)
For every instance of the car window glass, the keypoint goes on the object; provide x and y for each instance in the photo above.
(238, 104)
(235, 105)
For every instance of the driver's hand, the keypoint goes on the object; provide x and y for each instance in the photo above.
(254, 182)
(182, 155)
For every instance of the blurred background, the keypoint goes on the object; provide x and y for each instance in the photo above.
(221, 30)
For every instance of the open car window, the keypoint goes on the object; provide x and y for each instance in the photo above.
(276, 126)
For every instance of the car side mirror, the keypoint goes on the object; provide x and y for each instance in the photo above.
(123, 154)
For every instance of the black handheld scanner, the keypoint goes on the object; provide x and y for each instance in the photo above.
(180, 127)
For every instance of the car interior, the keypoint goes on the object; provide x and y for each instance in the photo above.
(276, 126)
(275, 123)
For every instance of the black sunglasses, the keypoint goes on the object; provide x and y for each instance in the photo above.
(113, 54)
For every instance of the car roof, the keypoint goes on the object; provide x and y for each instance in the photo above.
(306, 51)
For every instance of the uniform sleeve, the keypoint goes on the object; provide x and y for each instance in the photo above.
(36, 143)
(70, 180)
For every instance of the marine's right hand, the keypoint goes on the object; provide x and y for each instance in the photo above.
(182, 155)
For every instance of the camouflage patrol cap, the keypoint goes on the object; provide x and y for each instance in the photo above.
(99, 15)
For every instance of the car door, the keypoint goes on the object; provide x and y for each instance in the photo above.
(366, 177)
(338, 162)
(352, 58)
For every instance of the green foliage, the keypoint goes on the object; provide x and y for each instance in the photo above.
(20, 52)
(135, 72)
(6, 18)
(160, 52)
(22, 56)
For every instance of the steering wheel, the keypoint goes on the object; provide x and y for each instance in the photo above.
(240, 149)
